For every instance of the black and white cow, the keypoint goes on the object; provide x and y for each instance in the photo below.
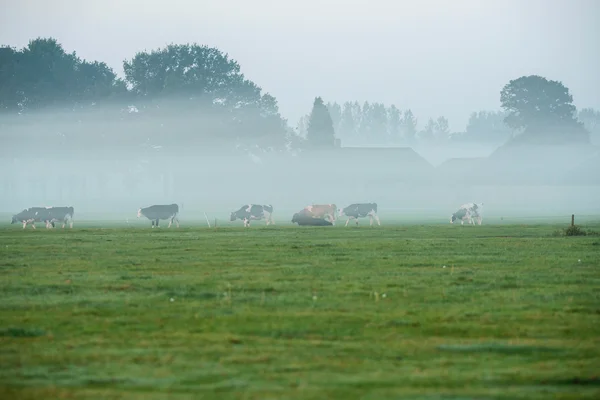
(467, 212)
(31, 216)
(360, 210)
(251, 212)
(64, 214)
(161, 211)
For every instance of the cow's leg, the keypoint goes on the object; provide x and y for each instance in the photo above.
(157, 222)
(377, 219)
(170, 222)
(177, 221)
(348, 220)
(370, 220)
(24, 224)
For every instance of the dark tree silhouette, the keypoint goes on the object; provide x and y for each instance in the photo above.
(543, 109)
(320, 132)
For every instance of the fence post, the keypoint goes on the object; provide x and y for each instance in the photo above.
(572, 219)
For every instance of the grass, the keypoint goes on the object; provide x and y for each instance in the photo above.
(421, 311)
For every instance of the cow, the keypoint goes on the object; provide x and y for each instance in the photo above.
(323, 211)
(64, 214)
(161, 211)
(467, 212)
(31, 216)
(360, 210)
(305, 218)
(251, 212)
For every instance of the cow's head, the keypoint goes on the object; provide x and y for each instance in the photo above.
(139, 214)
(341, 212)
(452, 218)
(14, 220)
(233, 216)
(296, 218)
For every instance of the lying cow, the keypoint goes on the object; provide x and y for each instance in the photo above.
(323, 211)
(31, 216)
(467, 212)
(162, 211)
(254, 212)
(360, 210)
(306, 218)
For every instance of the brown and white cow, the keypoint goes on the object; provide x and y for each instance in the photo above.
(325, 211)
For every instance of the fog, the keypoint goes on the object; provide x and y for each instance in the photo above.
(141, 126)
(107, 167)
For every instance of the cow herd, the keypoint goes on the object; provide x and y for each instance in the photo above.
(312, 215)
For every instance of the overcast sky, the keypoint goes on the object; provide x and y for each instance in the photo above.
(437, 57)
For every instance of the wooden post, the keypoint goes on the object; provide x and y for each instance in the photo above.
(572, 219)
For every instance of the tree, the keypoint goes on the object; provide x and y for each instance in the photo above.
(347, 127)
(44, 74)
(394, 118)
(379, 121)
(442, 129)
(428, 132)
(302, 126)
(320, 131)
(335, 110)
(9, 88)
(590, 119)
(214, 89)
(543, 109)
(365, 124)
(409, 127)
(487, 127)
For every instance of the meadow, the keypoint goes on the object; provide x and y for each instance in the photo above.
(413, 311)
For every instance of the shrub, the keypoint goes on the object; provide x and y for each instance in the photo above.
(575, 230)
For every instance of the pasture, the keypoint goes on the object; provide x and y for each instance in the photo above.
(286, 312)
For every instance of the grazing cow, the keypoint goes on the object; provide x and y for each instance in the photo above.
(467, 212)
(64, 214)
(323, 211)
(360, 210)
(31, 216)
(305, 218)
(251, 212)
(162, 211)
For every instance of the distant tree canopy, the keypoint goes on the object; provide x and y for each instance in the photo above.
(487, 127)
(590, 119)
(542, 109)
(369, 123)
(320, 131)
(43, 74)
(195, 92)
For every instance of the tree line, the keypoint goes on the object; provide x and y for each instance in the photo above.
(190, 92)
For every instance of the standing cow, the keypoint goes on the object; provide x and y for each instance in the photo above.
(467, 212)
(323, 211)
(31, 216)
(255, 212)
(360, 210)
(162, 211)
(64, 214)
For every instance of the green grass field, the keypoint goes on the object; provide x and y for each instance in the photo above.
(415, 311)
